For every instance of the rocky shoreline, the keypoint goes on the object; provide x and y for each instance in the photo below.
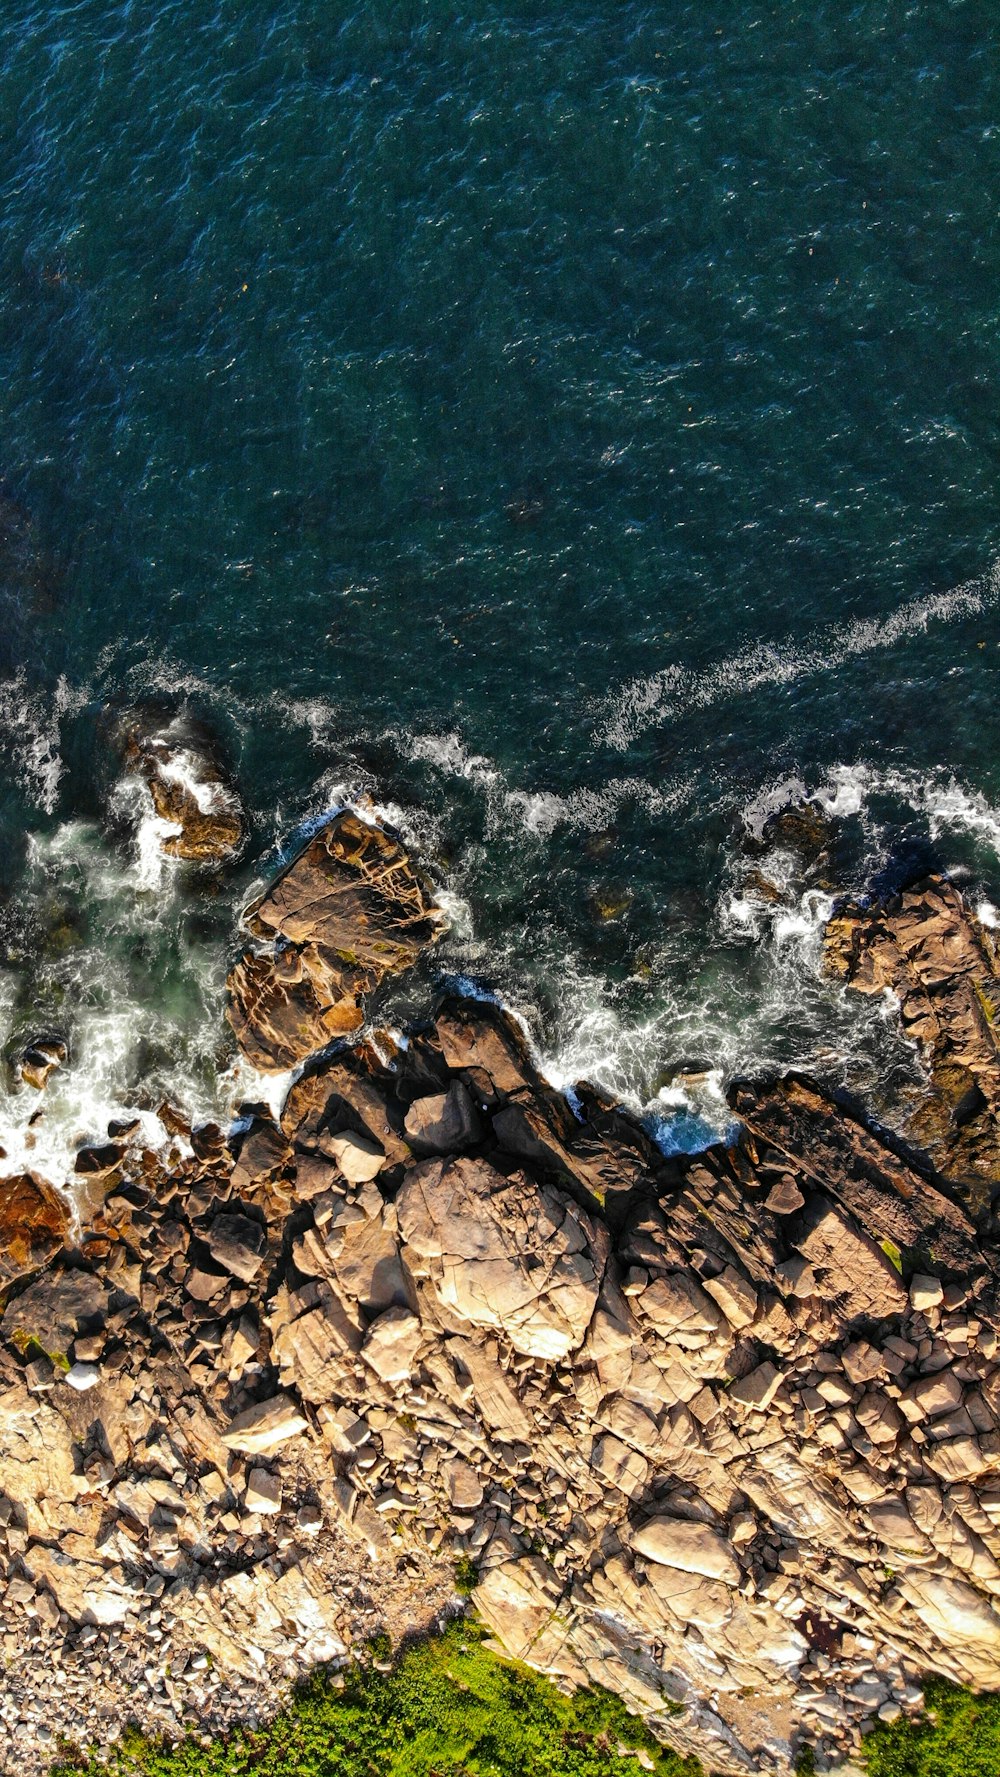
(719, 1430)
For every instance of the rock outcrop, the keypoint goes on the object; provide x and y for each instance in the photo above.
(198, 811)
(349, 910)
(721, 1430)
(942, 964)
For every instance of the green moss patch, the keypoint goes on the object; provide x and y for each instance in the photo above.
(957, 1736)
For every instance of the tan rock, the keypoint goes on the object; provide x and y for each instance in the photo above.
(263, 1492)
(925, 1292)
(265, 1425)
(359, 1157)
(757, 1390)
(735, 1295)
(619, 1466)
(505, 1253)
(694, 1548)
(930, 1396)
(392, 1343)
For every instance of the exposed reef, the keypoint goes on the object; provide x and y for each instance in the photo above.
(721, 1429)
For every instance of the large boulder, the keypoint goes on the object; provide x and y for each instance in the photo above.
(349, 910)
(504, 1252)
(691, 1547)
(34, 1221)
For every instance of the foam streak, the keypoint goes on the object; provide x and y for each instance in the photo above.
(644, 702)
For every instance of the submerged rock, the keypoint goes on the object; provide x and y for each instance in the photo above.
(348, 911)
(39, 1060)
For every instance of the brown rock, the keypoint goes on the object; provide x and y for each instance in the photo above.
(33, 1224)
(349, 910)
(944, 969)
(443, 1123)
(784, 1198)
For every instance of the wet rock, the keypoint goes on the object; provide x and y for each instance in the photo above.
(202, 821)
(34, 1221)
(39, 1060)
(349, 910)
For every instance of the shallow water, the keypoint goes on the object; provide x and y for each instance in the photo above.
(575, 429)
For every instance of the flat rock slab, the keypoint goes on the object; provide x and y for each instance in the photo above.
(694, 1548)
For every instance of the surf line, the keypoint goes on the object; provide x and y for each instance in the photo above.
(642, 703)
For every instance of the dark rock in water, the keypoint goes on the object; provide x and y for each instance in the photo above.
(352, 892)
(348, 911)
(943, 965)
(39, 1060)
(189, 791)
(283, 1008)
(98, 1163)
(33, 1224)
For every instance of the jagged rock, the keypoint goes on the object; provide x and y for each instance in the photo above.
(503, 1253)
(925, 1292)
(237, 1244)
(201, 817)
(34, 1221)
(349, 910)
(358, 1157)
(263, 1492)
(758, 1389)
(392, 1343)
(942, 965)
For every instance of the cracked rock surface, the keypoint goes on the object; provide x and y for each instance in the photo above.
(720, 1429)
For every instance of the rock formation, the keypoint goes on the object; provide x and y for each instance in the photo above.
(200, 815)
(929, 950)
(721, 1430)
(348, 911)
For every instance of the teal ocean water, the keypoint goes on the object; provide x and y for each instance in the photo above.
(574, 429)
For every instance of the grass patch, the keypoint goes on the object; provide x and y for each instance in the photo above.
(448, 1708)
(958, 1735)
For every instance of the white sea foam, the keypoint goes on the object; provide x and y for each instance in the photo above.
(674, 689)
(30, 727)
(946, 804)
(138, 1004)
(539, 812)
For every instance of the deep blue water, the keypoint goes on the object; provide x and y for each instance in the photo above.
(561, 424)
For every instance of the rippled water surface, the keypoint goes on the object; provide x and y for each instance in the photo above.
(576, 429)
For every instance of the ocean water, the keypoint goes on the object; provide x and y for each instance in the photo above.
(574, 431)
